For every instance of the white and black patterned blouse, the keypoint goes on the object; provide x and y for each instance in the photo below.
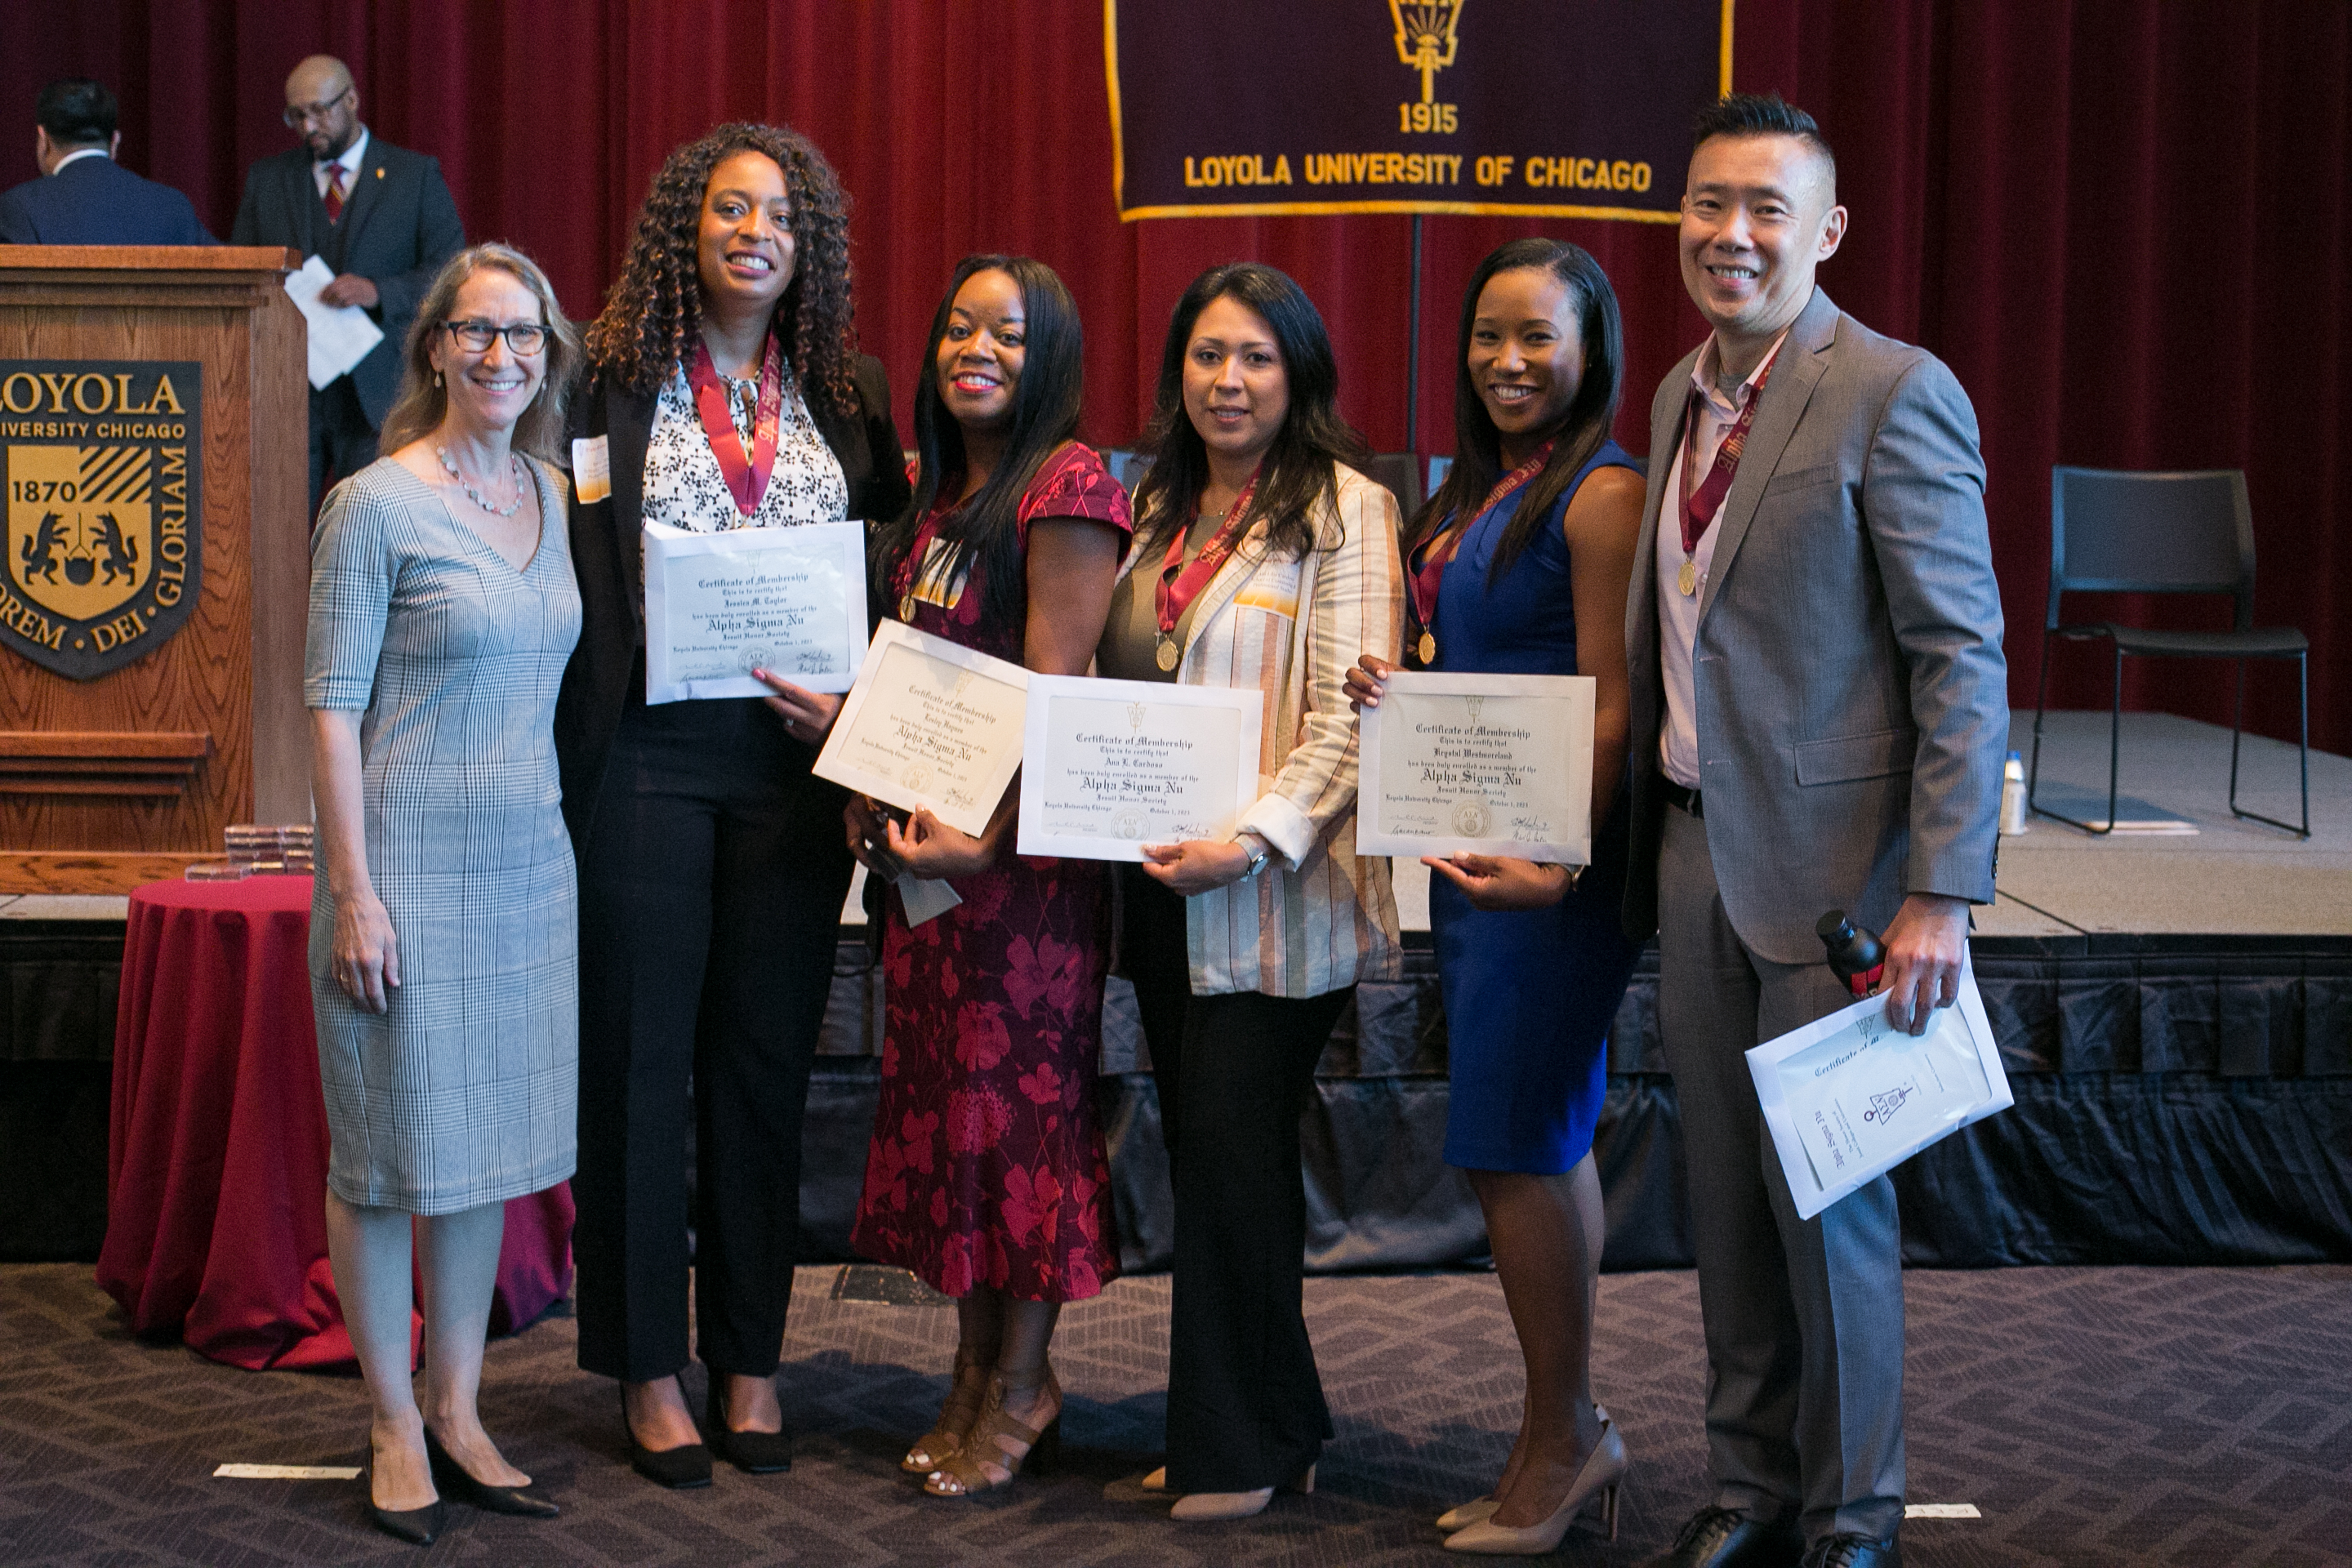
(685, 489)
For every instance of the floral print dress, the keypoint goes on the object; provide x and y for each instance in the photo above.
(987, 1163)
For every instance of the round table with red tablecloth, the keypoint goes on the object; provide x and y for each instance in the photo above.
(216, 1160)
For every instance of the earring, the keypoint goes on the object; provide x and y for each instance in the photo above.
(436, 378)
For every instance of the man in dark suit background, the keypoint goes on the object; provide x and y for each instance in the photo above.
(1819, 712)
(84, 197)
(380, 216)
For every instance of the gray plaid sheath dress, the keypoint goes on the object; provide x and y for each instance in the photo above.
(465, 1093)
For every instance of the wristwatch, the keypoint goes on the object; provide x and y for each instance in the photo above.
(1256, 849)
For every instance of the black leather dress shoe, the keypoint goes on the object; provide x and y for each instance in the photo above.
(1725, 1538)
(753, 1453)
(418, 1526)
(455, 1481)
(1855, 1552)
(680, 1469)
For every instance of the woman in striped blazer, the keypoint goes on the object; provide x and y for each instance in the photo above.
(1261, 559)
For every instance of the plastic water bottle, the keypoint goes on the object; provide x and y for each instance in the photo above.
(1855, 954)
(2013, 796)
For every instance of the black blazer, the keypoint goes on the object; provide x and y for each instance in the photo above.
(608, 558)
(97, 201)
(398, 226)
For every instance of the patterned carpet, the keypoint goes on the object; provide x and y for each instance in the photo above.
(2095, 1416)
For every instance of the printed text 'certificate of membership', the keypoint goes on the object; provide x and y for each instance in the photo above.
(1479, 764)
(930, 723)
(1112, 765)
(720, 606)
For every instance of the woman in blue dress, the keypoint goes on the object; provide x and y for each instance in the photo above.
(1518, 566)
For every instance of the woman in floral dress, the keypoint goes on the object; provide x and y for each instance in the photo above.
(987, 1175)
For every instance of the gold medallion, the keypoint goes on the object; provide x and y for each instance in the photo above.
(1168, 654)
(907, 608)
(1687, 579)
(1427, 649)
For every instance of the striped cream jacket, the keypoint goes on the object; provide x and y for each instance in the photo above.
(1317, 918)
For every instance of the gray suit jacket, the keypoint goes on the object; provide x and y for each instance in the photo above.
(397, 229)
(1853, 701)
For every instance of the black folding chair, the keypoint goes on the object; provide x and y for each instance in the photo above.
(2121, 533)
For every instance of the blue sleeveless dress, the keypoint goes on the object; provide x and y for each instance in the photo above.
(1530, 993)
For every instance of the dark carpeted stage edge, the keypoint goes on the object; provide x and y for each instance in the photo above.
(2184, 1096)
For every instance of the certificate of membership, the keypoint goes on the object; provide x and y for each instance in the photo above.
(929, 723)
(720, 606)
(1480, 765)
(1109, 767)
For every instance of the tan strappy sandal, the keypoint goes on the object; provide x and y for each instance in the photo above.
(966, 1397)
(988, 1446)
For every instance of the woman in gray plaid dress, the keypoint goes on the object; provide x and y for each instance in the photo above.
(442, 939)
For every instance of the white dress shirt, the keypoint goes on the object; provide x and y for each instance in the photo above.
(350, 159)
(1678, 611)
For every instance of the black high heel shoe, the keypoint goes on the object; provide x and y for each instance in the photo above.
(417, 1526)
(454, 1480)
(680, 1469)
(753, 1453)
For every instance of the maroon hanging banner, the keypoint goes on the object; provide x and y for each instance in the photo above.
(1537, 108)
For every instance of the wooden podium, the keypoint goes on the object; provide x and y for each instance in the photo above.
(153, 417)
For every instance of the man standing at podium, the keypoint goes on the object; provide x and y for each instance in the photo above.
(380, 216)
(84, 197)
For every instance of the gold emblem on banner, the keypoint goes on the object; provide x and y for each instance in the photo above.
(1425, 41)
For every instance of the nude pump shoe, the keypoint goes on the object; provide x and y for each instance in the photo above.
(1481, 1509)
(1196, 1507)
(1604, 1469)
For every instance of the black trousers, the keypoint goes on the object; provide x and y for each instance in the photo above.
(1245, 1405)
(711, 887)
(343, 439)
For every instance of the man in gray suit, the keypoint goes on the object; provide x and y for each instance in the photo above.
(1820, 716)
(381, 216)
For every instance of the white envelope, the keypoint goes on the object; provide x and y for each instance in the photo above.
(1850, 1097)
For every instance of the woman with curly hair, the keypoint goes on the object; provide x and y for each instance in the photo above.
(725, 391)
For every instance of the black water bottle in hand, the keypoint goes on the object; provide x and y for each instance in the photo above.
(1856, 955)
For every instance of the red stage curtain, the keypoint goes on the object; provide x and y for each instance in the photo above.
(2122, 225)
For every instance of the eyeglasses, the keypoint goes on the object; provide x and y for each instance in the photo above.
(522, 337)
(301, 114)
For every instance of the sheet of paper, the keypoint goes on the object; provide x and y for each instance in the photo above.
(1850, 1097)
(1108, 766)
(1481, 764)
(929, 723)
(340, 335)
(720, 606)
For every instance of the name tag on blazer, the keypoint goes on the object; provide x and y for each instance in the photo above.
(592, 469)
(1274, 599)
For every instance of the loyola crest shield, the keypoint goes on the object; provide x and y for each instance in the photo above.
(102, 538)
(81, 538)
